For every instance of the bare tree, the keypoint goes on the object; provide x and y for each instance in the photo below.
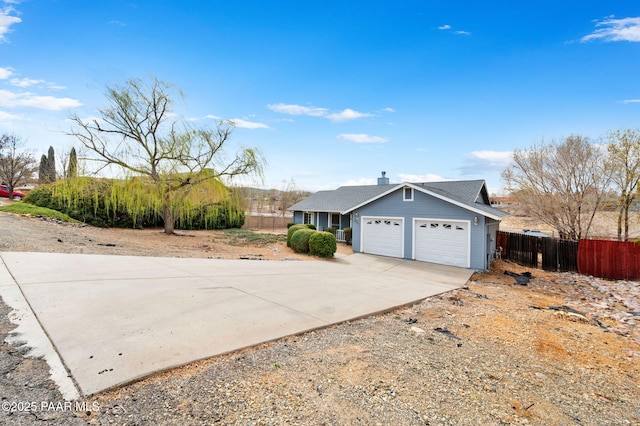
(562, 184)
(16, 166)
(139, 133)
(624, 155)
(289, 195)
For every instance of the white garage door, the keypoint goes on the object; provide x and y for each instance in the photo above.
(383, 236)
(443, 242)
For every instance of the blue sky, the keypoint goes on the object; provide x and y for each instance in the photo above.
(333, 92)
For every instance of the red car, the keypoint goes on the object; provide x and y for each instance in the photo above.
(4, 192)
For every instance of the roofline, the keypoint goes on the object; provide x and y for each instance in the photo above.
(373, 198)
(425, 191)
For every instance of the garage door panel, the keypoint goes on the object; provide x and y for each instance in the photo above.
(383, 236)
(443, 242)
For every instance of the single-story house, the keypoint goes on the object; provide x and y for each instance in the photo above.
(448, 222)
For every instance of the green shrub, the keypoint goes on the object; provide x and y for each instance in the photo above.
(300, 240)
(290, 224)
(322, 244)
(332, 230)
(347, 235)
(310, 226)
(292, 229)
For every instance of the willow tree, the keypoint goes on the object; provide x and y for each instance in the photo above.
(139, 133)
(561, 183)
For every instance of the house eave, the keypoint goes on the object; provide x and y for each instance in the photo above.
(425, 191)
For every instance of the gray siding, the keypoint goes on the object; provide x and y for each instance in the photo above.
(345, 221)
(428, 207)
(492, 233)
(321, 219)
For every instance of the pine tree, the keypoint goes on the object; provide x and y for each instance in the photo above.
(42, 170)
(51, 166)
(72, 169)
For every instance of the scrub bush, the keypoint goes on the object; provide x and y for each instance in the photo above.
(347, 235)
(322, 244)
(300, 240)
(292, 230)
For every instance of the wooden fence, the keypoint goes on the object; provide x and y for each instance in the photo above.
(266, 222)
(616, 260)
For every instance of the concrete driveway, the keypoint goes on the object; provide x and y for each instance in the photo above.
(108, 320)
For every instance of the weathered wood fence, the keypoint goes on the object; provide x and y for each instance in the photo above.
(549, 254)
(616, 260)
(266, 222)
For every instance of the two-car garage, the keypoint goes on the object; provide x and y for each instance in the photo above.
(433, 240)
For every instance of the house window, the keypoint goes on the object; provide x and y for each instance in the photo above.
(335, 220)
(408, 194)
(307, 218)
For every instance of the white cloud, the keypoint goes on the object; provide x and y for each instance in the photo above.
(5, 73)
(6, 21)
(388, 109)
(26, 99)
(631, 101)
(427, 177)
(25, 82)
(298, 109)
(448, 27)
(5, 116)
(206, 117)
(346, 115)
(362, 138)
(293, 109)
(117, 23)
(244, 124)
(482, 163)
(493, 158)
(611, 29)
(360, 182)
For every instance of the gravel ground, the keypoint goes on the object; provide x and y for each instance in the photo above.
(562, 350)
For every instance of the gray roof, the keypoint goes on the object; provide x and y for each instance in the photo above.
(470, 193)
(341, 199)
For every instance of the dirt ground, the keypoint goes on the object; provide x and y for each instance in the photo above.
(563, 349)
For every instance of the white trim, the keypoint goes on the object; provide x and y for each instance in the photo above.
(311, 216)
(425, 191)
(330, 220)
(364, 203)
(404, 193)
(363, 219)
(413, 235)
